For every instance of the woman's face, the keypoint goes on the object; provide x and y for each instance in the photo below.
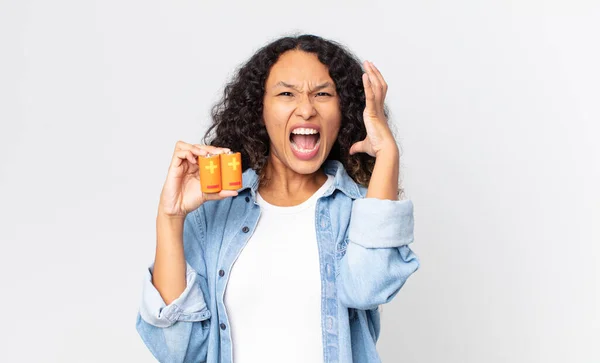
(301, 111)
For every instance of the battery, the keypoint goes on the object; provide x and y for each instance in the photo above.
(231, 170)
(210, 173)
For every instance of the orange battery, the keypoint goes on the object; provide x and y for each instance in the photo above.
(231, 171)
(210, 173)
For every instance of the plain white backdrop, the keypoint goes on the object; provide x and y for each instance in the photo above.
(496, 106)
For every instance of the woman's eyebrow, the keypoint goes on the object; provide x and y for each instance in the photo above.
(287, 85)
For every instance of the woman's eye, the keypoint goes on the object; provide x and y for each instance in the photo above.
(323, 94)
(285, 94)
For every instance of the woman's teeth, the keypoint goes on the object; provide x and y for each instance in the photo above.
(304, 131)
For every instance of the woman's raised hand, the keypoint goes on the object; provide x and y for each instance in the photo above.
(181, 192)
(379, 136)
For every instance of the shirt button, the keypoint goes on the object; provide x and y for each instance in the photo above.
(221, 273)
(329, 323)
(245, 229)
(223, 326)
(247, 199)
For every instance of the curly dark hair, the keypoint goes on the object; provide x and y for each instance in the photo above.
(237, 117)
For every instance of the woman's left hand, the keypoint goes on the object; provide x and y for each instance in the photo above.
(379, 136)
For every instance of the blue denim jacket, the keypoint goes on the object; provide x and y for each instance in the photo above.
(364, 261)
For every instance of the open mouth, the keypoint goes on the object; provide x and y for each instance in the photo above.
(305, 141)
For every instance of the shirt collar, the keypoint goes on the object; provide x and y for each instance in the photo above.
(342, 181)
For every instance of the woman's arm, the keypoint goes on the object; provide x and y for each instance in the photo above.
(169, 264)
(378, 260)
(174, 327)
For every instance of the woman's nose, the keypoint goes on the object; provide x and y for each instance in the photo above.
(305, 108)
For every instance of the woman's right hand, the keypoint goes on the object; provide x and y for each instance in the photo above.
(181, 192)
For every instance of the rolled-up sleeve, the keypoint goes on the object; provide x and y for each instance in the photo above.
(189, 306)
(377, 261)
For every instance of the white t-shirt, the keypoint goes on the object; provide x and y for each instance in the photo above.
(273, 295)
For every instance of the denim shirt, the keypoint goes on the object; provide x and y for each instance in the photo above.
(364, 261)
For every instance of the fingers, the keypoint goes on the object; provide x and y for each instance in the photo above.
(380, 79)
(371, 105)
(378, 87)
(358, 147)
(200, 150)
(180, 155)
(184, 151)
(220, 195)
(212, 149)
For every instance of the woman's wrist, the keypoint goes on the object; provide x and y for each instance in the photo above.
(384, 180)
(389, 152)
(168, 220)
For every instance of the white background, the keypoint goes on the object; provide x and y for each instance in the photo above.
(496, 106)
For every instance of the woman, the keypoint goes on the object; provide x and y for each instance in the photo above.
(293, 266)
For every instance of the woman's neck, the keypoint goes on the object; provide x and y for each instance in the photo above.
(284, 187)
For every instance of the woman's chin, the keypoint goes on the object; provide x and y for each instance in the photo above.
(305, 168)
